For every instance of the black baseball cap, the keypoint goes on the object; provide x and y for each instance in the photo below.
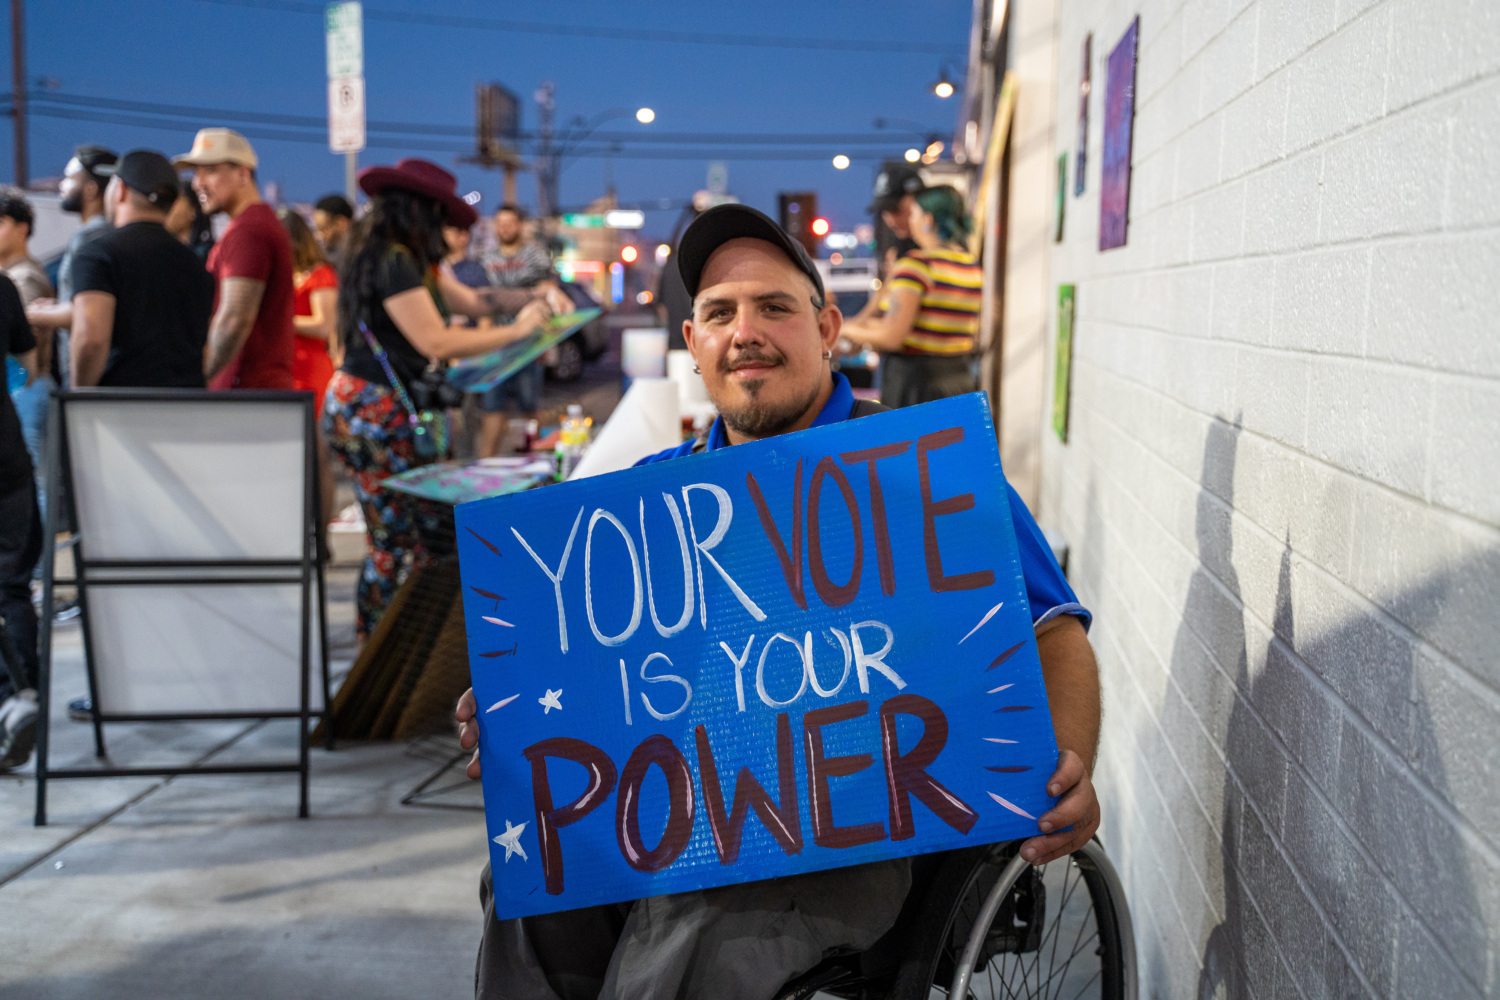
(150, 173)
(94, 158)
(723, 223)
(893, 182)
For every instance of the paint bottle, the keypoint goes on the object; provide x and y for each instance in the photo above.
(572, 440)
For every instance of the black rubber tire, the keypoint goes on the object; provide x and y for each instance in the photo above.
(920, 965)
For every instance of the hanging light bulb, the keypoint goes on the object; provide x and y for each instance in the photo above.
(943, 87)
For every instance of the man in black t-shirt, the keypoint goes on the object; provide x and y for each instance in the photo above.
(142, 301)
(20, 546)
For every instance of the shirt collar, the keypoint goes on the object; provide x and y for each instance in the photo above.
(840, 404)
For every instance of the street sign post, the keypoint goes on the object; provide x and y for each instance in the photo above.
(343, 26)
(346, 114)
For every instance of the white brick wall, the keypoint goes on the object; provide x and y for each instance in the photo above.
(1282, 485)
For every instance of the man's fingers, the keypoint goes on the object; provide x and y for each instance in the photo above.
(468, 735)
(467, 707)
(1070, 771)
(1072, 808)
(1040, 850)
(473, 769)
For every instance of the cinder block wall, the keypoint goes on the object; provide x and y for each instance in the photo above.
(1282, 487)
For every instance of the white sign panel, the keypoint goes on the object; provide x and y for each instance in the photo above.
(343, 26)
(194, 479)
(346, 113)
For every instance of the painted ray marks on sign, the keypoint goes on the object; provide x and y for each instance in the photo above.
(758, 646)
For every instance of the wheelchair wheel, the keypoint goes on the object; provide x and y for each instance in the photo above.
(1060, 931)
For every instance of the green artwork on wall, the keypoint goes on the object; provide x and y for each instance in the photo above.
(1063, 378)
(1062, 186)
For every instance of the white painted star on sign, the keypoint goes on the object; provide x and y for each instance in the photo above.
(511, 841)
(549, 701)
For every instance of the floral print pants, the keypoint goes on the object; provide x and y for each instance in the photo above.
(369, 429)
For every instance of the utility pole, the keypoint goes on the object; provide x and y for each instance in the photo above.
(18, 86)
(546, 158)
(497, 128)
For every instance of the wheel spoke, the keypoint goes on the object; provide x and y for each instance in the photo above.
(1082, 923)
(1086, 985)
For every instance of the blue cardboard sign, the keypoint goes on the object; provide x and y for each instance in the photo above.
(788, 655)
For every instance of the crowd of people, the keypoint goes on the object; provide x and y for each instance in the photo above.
(360, 311)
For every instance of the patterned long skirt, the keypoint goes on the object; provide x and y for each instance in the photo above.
(368, 428)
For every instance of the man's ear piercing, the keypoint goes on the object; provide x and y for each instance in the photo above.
(827, 354)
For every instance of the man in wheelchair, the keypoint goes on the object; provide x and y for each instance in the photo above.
(762, 332)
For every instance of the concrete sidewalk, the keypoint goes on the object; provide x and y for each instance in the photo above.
(210, 886)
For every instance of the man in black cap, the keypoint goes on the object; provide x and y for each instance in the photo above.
(762, 331)
(895, 187)
(142, 301)
(82, 191)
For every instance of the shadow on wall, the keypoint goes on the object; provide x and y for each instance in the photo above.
(1338, 876)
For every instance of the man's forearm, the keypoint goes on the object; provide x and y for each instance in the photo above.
(87, 356)
(1072, 680)
(52, 316)
(226, 335)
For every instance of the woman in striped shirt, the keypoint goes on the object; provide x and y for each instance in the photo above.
(935, 293)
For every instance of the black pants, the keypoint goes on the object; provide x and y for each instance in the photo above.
(909, 379)
(20, 547)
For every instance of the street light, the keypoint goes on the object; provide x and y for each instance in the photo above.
(943, 85)
(913, 155)
(549, 158)
(841, 162)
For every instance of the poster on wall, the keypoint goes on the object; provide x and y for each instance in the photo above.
(1060, 205)
(794, 654)
(1119, 114)
(1062, 383)
(1085, 84)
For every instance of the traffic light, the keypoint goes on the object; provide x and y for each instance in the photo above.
(820, 227)
(798, 213)
(629, 254)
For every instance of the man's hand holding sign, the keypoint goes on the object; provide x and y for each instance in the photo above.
(799, 654)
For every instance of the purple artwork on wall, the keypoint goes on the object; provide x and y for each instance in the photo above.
(1119, 113)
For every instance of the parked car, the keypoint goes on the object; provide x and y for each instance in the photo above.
(564, 363)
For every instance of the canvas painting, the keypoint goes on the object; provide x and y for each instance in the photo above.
(1085, 84)
(1062, 380)
(1119, 113)
(1059, 206)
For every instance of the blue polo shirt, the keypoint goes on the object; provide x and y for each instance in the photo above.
(1046, 588)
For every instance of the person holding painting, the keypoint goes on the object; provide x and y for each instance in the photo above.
(384, 414)
(934, 295)
(762, 331)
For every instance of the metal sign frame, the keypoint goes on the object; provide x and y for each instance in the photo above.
(305, 571)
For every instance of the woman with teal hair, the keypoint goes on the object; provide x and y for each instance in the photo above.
(929, 329)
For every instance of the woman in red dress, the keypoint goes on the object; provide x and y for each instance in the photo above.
(316, 291)
(316, 320)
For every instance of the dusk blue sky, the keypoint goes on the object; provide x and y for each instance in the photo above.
(267, 56)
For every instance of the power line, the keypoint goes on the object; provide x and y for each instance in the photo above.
(320, 123)
(401, 144)
(614, 34)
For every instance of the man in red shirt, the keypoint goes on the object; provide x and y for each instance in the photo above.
(250, 342)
